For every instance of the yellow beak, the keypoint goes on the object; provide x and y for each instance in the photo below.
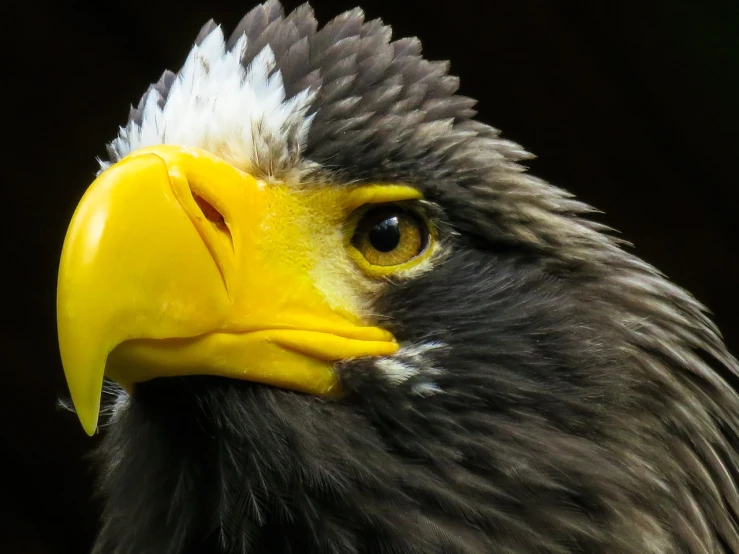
(176, 263)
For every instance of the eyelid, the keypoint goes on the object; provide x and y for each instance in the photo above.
(380, 194)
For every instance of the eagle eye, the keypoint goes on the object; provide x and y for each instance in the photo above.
(390, 235)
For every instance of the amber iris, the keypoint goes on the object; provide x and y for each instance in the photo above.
(390, 235)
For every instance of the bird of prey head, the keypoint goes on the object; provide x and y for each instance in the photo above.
(341, 318)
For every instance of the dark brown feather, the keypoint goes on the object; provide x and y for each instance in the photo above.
(585, 403)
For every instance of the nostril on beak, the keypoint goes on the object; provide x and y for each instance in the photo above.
(209, 211)
(212, 215)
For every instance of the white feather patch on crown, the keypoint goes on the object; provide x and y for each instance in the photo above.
(238, 114)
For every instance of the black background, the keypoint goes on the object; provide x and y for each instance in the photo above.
(634, 106)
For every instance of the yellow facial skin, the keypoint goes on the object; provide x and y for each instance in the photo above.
(177, 263)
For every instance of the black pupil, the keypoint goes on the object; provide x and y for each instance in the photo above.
(385, 235)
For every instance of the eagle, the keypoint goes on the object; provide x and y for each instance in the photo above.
(315, 306)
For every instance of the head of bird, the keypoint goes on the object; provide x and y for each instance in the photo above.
(335, 313)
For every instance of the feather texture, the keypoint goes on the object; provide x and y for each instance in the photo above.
(578, 401)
